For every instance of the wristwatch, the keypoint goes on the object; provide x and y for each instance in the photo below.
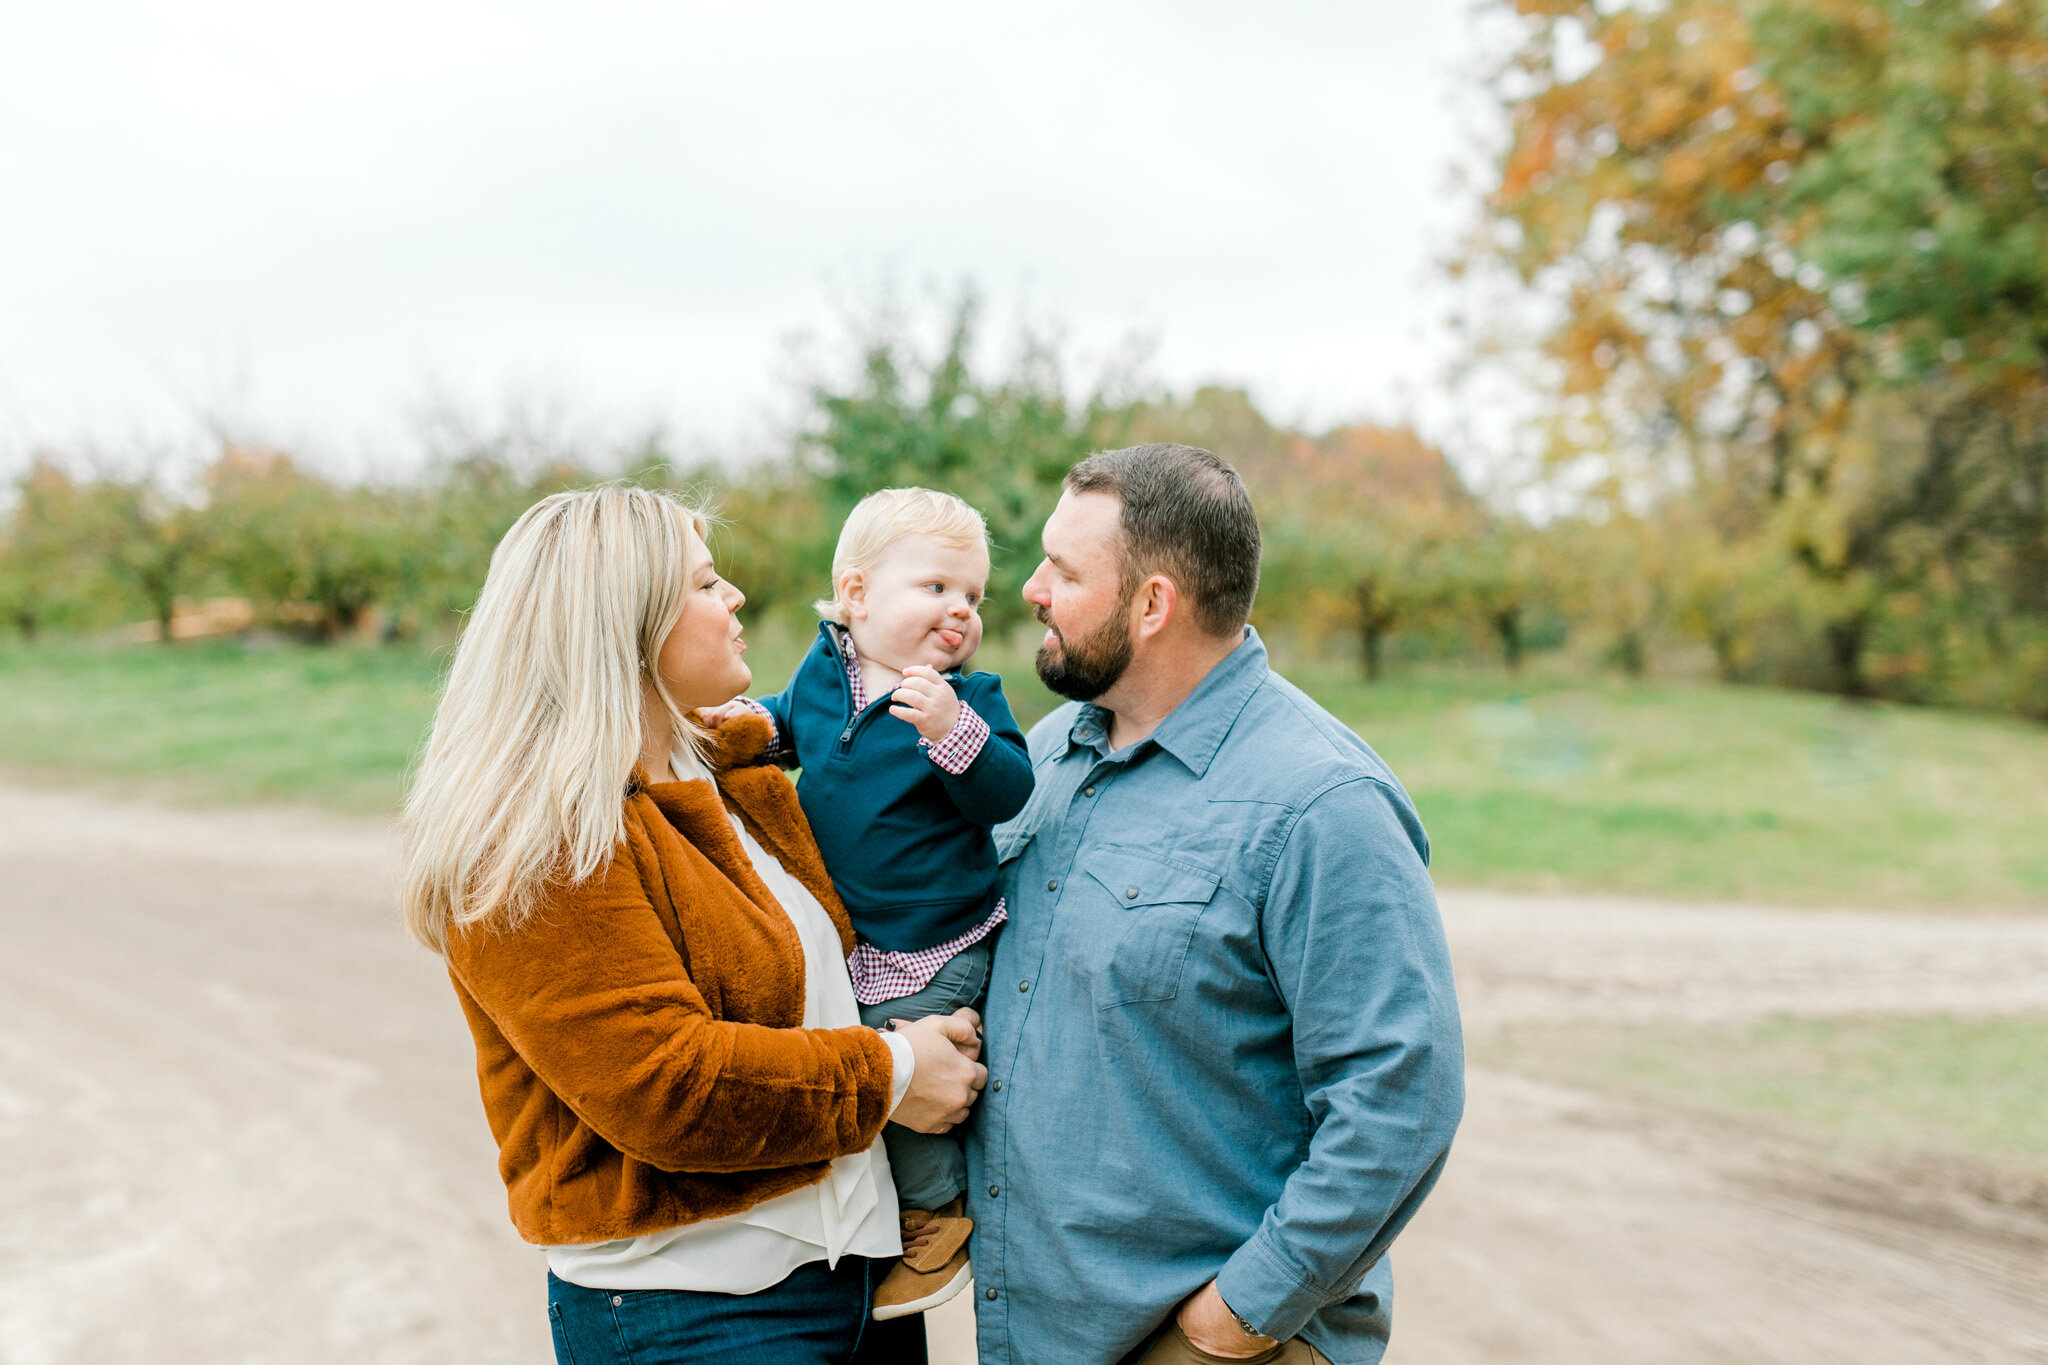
(1242, 1325)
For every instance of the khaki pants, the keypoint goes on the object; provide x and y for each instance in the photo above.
(1172, 1347)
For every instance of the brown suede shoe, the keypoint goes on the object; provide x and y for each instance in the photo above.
(934, 1266)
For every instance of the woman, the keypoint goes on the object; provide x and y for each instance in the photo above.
(652, 961)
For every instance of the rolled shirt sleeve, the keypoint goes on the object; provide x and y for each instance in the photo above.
(1358, 952)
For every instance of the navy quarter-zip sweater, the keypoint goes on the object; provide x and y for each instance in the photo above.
(907, 843)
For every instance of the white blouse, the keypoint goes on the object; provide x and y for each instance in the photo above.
(851, 1213)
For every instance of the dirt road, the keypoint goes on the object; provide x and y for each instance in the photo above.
(238, 1124)
(1572, 1229)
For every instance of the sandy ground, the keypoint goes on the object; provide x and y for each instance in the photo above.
(1573, 1229)
(238, 1124)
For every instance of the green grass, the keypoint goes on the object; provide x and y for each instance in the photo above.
(1935, 1086)
(1689, 791)
(1710, 792)
(218, 722)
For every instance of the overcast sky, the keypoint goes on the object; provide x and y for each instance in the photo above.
(309, 222)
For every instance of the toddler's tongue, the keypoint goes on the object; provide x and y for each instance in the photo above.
(950, 638)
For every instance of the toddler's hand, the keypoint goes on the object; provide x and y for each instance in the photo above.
(715, 716)
(926, 700)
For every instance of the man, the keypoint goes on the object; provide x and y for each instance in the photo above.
(1225, 1062)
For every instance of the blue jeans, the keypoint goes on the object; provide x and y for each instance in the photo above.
(815, 1317)
(930, 1168)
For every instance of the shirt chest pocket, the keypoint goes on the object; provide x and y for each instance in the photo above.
(1147, 913)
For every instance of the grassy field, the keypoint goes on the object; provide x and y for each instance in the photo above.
(1697, 792)
(220, 723)
(1707, 792)
(1922, 1087)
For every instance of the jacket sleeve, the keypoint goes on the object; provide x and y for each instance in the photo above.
(995, 786)
(1357, 950)
(592, 995)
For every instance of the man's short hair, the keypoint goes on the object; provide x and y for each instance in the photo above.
(1186, 515)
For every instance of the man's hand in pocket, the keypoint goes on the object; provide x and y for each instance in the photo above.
(1210, 1325)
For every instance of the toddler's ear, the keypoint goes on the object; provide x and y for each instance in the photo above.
(853, 592)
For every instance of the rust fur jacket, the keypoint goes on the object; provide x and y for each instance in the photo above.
(639, 1041)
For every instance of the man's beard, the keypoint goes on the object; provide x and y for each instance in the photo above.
(1086, 668)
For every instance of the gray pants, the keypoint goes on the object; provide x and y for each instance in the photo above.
(931, 1168)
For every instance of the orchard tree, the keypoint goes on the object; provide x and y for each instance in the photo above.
(1362, 528)
(1615, 574)
(1722, 591)
(475, 486)
(49, 566)
(148, 539)
(1499, 581)
(910, 415)
(301, 545)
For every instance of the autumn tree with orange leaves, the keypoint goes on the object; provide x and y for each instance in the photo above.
(1795, 262)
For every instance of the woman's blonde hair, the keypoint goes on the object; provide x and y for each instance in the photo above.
(881, 519)
(523, 779)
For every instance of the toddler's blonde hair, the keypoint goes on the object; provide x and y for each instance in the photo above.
(881, 519)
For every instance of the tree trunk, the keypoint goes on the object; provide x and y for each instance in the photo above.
(2030, 493)
(1376, 620)
(1507, 624)
(1727, 667)
(1631, 653)
(1846, 640)
(27, 622)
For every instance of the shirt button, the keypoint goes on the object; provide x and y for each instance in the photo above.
(990, 1295)
(996, 1086)
(1053, 885)
(1087, 791)
(1023, 985)
(994, 1191)
(1130, 893)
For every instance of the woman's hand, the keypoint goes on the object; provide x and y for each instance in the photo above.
(946, 1079)
(926, 700)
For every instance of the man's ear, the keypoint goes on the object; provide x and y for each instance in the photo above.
(853, 591)
(1155, 604)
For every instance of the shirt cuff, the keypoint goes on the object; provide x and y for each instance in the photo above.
(776, 748)
(962, 745)
(1270, 1295)
(905, 1068)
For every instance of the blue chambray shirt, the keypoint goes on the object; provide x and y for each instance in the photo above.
(1223, 1037)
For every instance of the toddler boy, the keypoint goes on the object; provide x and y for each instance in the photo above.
(907, 764)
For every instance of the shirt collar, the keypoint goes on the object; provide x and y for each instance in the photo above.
(1194, 730)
